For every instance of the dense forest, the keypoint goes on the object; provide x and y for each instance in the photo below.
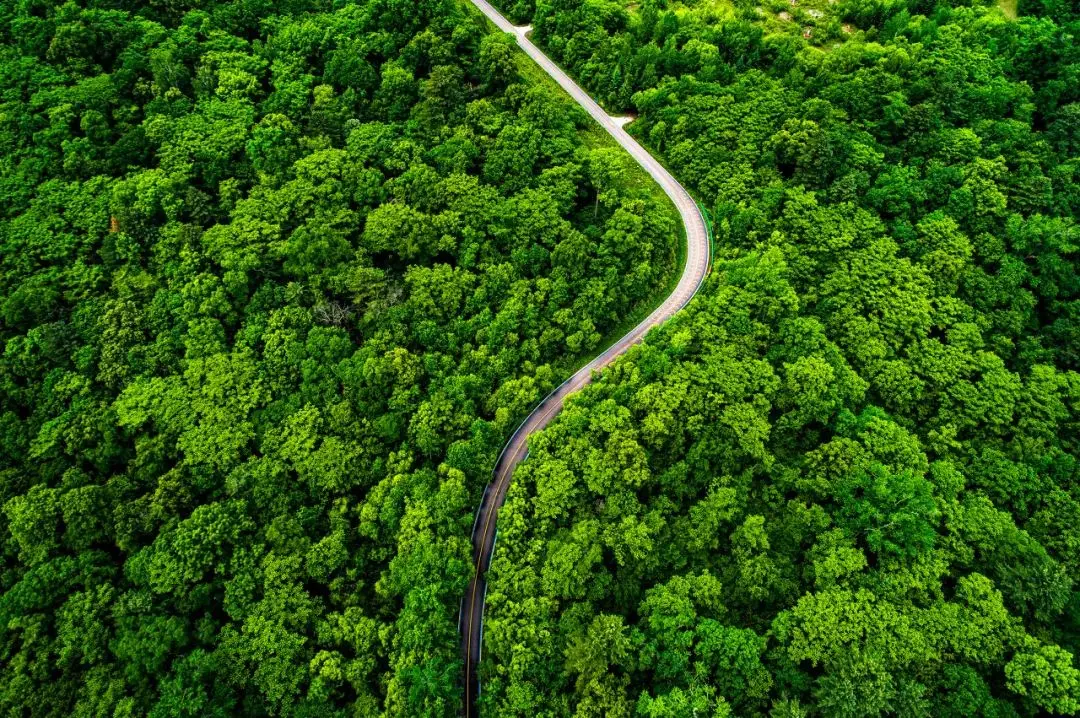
(277, 279)
(846, 481)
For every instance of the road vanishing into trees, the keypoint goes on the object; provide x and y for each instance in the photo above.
(471, 620)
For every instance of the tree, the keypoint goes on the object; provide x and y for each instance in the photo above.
(1046, 674)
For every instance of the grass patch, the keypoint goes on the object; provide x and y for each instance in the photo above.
(708, 10)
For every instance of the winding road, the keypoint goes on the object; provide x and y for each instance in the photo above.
(471, 620)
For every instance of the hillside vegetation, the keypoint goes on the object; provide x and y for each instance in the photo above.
(845, 481)
(277, 279)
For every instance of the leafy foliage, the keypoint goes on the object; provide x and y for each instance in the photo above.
(844, 481)
(278, 279)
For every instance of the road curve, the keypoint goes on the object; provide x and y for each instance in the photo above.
(471, 620)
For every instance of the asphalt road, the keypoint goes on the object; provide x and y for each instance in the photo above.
(471, 621)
